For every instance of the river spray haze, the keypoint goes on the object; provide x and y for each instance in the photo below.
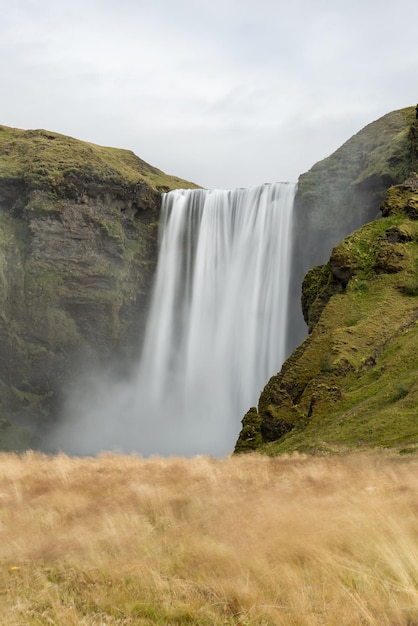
(216, 330)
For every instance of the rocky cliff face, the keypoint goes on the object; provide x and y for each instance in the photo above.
(345, 191)
(78, 246)
(353, 381)
(78, 239)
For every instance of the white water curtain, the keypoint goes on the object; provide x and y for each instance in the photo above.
(217, 324)
(215, 331)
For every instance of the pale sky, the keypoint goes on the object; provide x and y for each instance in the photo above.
(226, 93)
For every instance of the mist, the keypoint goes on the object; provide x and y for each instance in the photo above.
(216, 331)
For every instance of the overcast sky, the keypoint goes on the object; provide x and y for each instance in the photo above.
(226, 93)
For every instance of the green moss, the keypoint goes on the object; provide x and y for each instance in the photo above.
(378, 400)
(250, 438)
(410, 288)
(112, 227)
(31, 400)
(14, 233)
(327, 362)
(50, 161)
(41, 204)
(14, 438)
(353, 382)
(78, 244)
(381, 154)
(318, 286)
(43, 282)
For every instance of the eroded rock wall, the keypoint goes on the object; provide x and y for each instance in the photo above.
(353, 381)
(344, 191)
(78, 247)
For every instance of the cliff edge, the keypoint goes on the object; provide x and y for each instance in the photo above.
(78, 246)
(353, 382)
(344, 191)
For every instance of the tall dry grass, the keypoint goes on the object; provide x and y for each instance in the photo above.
(247, 540)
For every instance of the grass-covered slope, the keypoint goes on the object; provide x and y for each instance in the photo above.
(354, 381)
(350, 184)
(51, 161)
(344, 191)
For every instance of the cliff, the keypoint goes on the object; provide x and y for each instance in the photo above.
(344, 191)
(353, 382)
(78, 244)
(78, 235)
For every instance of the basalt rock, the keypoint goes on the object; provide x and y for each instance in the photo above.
(78, 247)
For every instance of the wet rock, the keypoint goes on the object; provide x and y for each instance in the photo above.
(390, 259)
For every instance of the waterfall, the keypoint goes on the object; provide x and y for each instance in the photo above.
(217, 323)
(216, 326)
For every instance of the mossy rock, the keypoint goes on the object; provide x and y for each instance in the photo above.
(250, 437)
(78, 248)
(344, 191)
(353, 383)
(318, 286)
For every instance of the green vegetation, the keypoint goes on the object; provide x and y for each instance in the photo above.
(14, 438)
(78, 240)
(78, 246)
(354, 382)
(57, 163)
(345, 191)
(358, 174)
(410, 288)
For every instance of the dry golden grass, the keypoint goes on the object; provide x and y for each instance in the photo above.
(244, 541)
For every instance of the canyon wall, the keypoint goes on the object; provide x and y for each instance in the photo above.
(78, 248)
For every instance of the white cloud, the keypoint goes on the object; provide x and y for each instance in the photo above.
(226, 93)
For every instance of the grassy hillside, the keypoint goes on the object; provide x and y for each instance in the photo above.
(382, 154)
(47, 160)
(344, 191)
(353, 383)
(247, 541)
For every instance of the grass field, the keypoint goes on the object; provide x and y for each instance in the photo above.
(250, 540)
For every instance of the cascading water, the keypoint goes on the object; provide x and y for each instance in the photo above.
(218, 318)
(216, 327)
